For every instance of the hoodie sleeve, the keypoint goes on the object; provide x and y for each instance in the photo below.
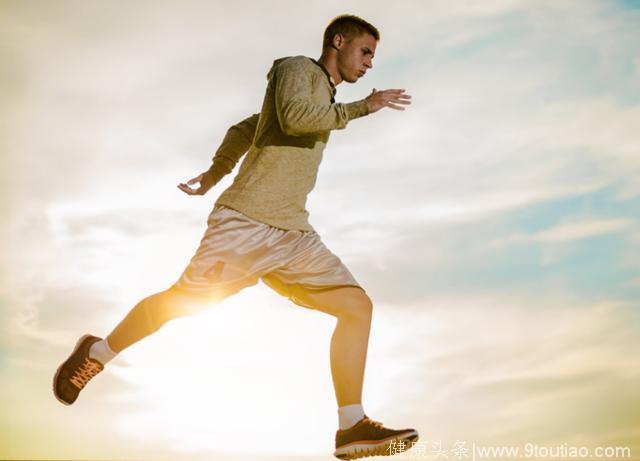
(297, 113)
(235, 144)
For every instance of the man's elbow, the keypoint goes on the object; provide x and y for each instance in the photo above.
(291, 128)
(294, 121)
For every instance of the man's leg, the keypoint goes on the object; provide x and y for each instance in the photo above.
(353, 309)
(150, 314)
(222, 266)
(91, 353)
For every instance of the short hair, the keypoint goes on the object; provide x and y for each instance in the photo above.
(350, 26)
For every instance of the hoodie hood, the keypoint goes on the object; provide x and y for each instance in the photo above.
(275, 65)
(278, 61)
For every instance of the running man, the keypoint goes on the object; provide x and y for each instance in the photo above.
(259, 230)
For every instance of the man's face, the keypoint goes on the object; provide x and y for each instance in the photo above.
(354, 57)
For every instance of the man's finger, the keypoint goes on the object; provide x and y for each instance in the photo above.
(186, 189)
(194, 180)
(399, 96)
(401, 99)
(393, 106)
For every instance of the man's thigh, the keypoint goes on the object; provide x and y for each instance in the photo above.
(232, 255)
(337, 301)
(313, 276)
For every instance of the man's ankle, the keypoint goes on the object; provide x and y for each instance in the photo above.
(101, 352)
(349, 415)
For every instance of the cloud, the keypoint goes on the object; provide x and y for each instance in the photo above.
(570, 231)
(479, 362)
(513, 114)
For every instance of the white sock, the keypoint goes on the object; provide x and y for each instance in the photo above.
(101, 351)
(349, 415)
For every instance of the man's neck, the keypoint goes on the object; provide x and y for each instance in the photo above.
(329, 63)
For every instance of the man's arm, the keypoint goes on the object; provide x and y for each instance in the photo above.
(297, 114)
(235, 144)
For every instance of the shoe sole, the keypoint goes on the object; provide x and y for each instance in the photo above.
(55, 377)
(380, 448)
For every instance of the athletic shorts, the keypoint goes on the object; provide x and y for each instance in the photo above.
(237, 251)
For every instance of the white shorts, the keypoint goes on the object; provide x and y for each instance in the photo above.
(237, 251)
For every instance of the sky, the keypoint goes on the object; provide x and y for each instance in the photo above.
(494, 224)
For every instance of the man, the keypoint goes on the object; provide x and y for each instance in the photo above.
(259, 229)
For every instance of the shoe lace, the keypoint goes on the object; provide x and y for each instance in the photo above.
(377, 424)
(85, 372)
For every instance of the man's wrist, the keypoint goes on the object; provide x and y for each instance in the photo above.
(214, 174)
(357, 109)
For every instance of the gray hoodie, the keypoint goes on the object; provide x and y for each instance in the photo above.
(285, 142)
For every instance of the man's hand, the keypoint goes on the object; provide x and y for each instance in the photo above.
(386, 98)
(206, 183)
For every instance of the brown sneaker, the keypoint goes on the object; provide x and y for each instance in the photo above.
(371, 438)
(76, 371)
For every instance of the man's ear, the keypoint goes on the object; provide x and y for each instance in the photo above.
(338, 41)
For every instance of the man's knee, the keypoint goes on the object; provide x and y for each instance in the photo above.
(348, 303)
(176, 302)
(359, 305)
